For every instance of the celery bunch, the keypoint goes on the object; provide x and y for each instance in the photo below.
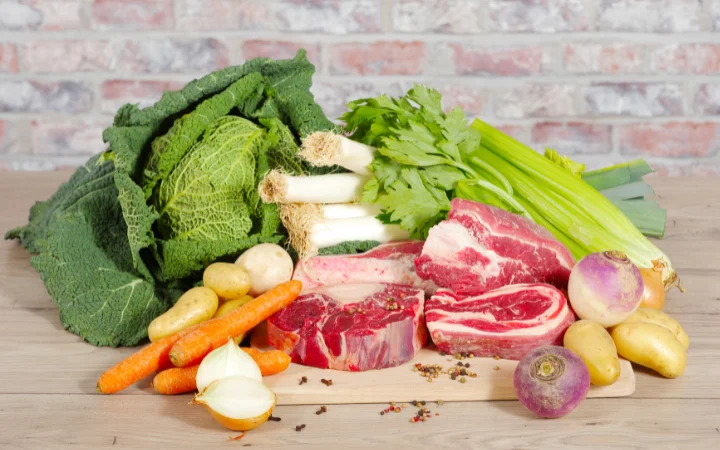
(577, 213)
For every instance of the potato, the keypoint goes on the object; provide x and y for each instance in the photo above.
(651, 315)
(652, 346)
(195, 306)
(229, 281)
(268, 266)
(593, 344)
(230, 306)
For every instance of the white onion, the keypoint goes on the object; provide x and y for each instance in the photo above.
(226, 361)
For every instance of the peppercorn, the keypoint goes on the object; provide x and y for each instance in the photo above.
(382, 413)
(462, 380)
(467, 365)
(429, 380)
(298, 428)
(443, 354)
(323, 408)
(422, 402)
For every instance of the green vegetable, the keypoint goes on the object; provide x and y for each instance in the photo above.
(175, 191)
(578, 215)
(425, 157)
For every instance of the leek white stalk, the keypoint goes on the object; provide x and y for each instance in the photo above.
(349, 210)
(325, 148)
(278, 187)
(309, 230)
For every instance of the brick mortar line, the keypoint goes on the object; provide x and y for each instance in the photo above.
(489, 81)
(497, 121)
(585, 157)
(429, 37)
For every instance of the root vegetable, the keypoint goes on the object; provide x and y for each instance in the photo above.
(140, 364)
(551, 381)
(195, 306)
(651, 346)
(268, 266)
(210, 335)
(593, 344)
(605, 288)
(229, 281)
(654, 293)
(238, 403)
(226, 361)
(650, 315)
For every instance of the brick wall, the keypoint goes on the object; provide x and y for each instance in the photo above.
(605, 80)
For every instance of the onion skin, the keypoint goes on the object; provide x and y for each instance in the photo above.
(653, 295)
(239, 424)
(605, 288)
(551, 381)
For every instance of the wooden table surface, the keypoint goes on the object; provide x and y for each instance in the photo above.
(48, 375)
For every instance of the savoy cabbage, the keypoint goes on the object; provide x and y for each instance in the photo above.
(176, 190)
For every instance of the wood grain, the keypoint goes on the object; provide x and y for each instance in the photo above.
(48, 376)
(93, 422)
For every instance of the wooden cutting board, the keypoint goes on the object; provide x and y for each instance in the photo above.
(494, 381)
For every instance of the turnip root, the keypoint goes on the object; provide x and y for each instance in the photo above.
(551, 381)
(605, 288)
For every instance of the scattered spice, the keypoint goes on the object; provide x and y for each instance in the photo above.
(303, 380)
(299, 427)
(404, 405)
(496, 357)
(382, 413)
(462, 379)
(326, 382)
(467, 365)
(274, 419)
(440, 402)
(443, 353)
(496, 368)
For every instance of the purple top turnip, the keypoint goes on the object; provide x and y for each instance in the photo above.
(605, 288)
(551, 381)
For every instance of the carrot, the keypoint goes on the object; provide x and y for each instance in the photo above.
(214, 333)
(176, 380)
(270, 362)
(139, 365)
(182, 379)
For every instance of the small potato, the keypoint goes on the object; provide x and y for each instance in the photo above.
(593, 344)
(228, 280)
(652, 346)
(195, 306)
(268, 266)
(230, 306)
(651, 315)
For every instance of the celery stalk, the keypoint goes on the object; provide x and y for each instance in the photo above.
(585, 216)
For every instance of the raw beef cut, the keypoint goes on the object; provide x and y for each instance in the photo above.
(507, 322)
(387, 263)
(480, 248)
(351, 327)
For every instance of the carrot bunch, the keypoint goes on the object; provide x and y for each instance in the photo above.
(186, 348)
